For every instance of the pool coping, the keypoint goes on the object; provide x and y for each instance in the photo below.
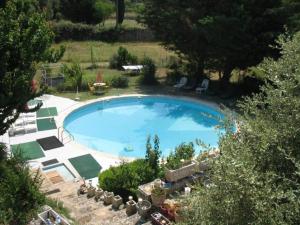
(63, 115)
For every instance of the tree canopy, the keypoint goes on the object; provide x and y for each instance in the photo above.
(87, 11)
(20, 196)
(236, 34)
(256, 178)
(25, 41)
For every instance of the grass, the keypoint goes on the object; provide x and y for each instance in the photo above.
(127, 23)
(80, 51)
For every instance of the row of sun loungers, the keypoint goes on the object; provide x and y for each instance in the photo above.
(26, 123)
(199, 89)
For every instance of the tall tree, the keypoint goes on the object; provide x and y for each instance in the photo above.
(237, 34)
(25, 40)
(256, 179)
(120, 11)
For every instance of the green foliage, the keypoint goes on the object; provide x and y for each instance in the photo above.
(236, 34)
(93, 61)
(153, 154)
(25, 41)
(87, 11)
(58, 206)
(125, 179)
(52, 9)
(148, 72)
(119, 81)
(183, 152)
(20, 198)
(158, 191)
(67, 30)
(256, 178)
(122, 58)
(73, 75)
(103, 9)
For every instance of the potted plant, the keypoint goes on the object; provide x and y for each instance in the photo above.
(131, 206)
(143, 207)
(158, 196)
(179, 164)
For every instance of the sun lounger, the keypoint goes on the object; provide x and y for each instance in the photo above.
(19, 122)
(203, 86)
(23, 115)
(30, 128)
(16, 130)
(183, 81)
(29, 120)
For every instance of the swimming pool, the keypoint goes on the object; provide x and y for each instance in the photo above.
(120, 126)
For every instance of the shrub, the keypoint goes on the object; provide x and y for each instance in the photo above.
(73, 75)
(148, 72)
(66, 30)
(119, 81)
(125, 179)
(85, 83)
(123, 57)
(183, 152)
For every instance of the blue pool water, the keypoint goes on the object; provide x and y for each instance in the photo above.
(121, 126)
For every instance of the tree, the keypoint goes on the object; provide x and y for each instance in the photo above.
(237, 34)
(25, 41)
(20, 198)
(256, 179)
(87, 11)
(73, 74)
(153, 154)
(120, 12)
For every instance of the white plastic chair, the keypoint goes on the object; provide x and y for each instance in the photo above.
(183, 81)
(203, 87)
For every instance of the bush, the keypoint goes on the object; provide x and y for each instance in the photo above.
(183, 152)
(125, 179)
(85, 83)
(148, 72)
(66, 30)
(123, 57)
(119, 81)
(73, 75)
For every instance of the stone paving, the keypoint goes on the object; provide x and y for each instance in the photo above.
(87, 211)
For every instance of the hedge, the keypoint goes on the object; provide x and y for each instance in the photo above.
(66, 30)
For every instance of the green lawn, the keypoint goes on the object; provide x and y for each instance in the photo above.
(127, 23)
(81, 51)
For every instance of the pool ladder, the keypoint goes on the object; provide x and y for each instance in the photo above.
(64, 138)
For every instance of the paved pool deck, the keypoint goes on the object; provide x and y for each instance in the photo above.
(70, 149)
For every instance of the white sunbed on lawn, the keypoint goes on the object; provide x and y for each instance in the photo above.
(183, 81)
(203, 86)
